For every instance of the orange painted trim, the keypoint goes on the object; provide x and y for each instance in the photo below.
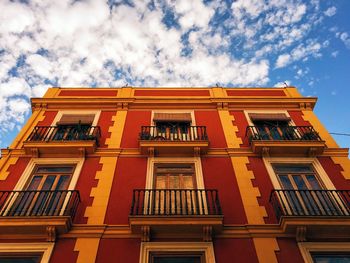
(172, 93)
(250, 92)
(88, 93)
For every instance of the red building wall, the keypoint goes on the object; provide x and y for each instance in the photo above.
(119, 250)
(240, 250)
(130, 174)
(132, 128)
(64, 251)
(211, 120)
(218, 174)
(85, 182)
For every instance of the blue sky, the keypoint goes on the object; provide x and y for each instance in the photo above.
(257, 43)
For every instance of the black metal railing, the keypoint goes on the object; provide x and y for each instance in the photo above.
(311, 202)
(282, 133)
(39, 203)
(175, 202)
(190, 133)
(65, 133)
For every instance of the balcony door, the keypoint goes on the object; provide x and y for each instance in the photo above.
(304, 193)
(44, 193)
(174, 184)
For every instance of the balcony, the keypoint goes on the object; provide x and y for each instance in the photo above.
(192, 140)
(65, 140)
(317, 213)
(194, 213)
(285, 140)
(37, 214)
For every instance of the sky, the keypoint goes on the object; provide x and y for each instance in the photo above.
(256, 43)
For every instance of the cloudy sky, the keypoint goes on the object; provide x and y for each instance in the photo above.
(175, 43)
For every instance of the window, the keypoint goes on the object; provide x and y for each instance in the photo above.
(172, 126)
(331, 257)
(20, 258)
(177, 257)
(272, 126)
(44, 192)
(174, 176)
(25, 252)
(74, 127)
(297, 176)
(325, 252)
(177, 252)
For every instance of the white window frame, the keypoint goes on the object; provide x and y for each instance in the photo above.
(321, 173)
(34, 162)
(154, 160)
(251, 123)
(46, 248)
(203, 247)
(78, 162)
(193, 121)
(306, 248)
(59, 115)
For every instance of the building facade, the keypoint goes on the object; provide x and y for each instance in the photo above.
(174, 175)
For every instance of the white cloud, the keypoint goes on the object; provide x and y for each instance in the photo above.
(345, 38)
(301, 52)
(331, 11)
(283, 60)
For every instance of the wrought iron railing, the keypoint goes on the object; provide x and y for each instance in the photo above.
(159, 133)
(282, 133)
(175, 202)
(39, 203)
(310, 202)
(65, 133)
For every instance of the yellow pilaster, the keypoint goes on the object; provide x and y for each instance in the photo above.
(309, 116)
(5, 164)
(249, 194)
(97, 211)
(344, 162)
(87, 248)
(117, 130)
(265, 249)
(229, 129)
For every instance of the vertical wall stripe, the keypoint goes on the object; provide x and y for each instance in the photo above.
(266, 249)
(87, 248)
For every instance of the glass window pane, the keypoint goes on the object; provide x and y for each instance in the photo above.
(34, 184)
(63, 182)
(337, 257)
(55, 169)
(313, 182)
(300, 168)
(299, 182)
(48, 182)
(286, 184)
(182, 259)
(19, 259)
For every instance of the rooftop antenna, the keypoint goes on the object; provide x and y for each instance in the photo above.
(285, 84)
(217, 85)
(126, 85)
